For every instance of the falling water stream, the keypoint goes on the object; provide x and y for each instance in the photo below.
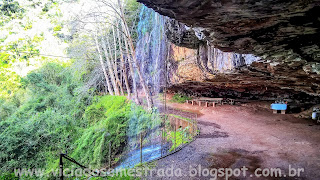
(151, 48)
(152, 51)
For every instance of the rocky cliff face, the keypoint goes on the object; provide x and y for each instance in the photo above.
(275, 29)
(211, 54)
(195, 60)
(285, 34)
(195, 72)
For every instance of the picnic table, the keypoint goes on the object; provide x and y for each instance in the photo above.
(210, 101)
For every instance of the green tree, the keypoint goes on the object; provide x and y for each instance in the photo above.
(10, 7)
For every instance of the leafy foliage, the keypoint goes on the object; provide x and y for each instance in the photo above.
(10, 7)
(179, 98)
(10, 83)
(42, 125)
(132, 10)
(52, 120)
(57, 28)
(5, 58)
(8, 176)
(48, 111)
(179, 137)
(110, 126)
(20, 50)
(109, 117)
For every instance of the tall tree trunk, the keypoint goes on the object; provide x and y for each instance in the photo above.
(134, 82)
(123, 65)
(115, 62)
(109, 64)
(134, 57)
(109, 86)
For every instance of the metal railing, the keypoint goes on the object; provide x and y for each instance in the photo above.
(65, 156)
(177, 129)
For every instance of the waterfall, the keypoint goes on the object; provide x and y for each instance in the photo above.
(151, 51)
(151, 48)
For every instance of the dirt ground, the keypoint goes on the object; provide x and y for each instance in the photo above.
(248, 135)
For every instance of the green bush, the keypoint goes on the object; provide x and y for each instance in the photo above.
(109, 117)
(34, 129)
(10, 7)
(8, 176)
(179, 98)
(10, 83)
(51, 118)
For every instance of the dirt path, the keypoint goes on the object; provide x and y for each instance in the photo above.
(251, 136)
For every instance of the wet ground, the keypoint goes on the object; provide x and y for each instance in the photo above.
(247, 135)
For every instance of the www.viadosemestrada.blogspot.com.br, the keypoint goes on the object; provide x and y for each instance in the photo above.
(193, 171)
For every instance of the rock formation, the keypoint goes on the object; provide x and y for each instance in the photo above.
(280, 29)
(284, 34)
(193, 60)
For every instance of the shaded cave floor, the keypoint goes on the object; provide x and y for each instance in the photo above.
(248, 135)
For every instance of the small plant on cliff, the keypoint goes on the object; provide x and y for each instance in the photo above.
(179, 98)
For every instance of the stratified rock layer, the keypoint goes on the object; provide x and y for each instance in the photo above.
(198, 62)
(282, 29)
(240, 76)
(285, 34)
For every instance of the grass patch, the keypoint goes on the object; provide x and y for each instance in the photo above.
(179, 98)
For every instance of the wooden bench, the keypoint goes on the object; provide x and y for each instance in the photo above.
(206, 101)
(193, 101)
(216, 100)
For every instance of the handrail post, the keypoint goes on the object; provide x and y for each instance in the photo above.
(162, 135)
(61, 166)
(182, 135)
(109, 155)
(175, 134)
(196, 126)
(141, 148)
